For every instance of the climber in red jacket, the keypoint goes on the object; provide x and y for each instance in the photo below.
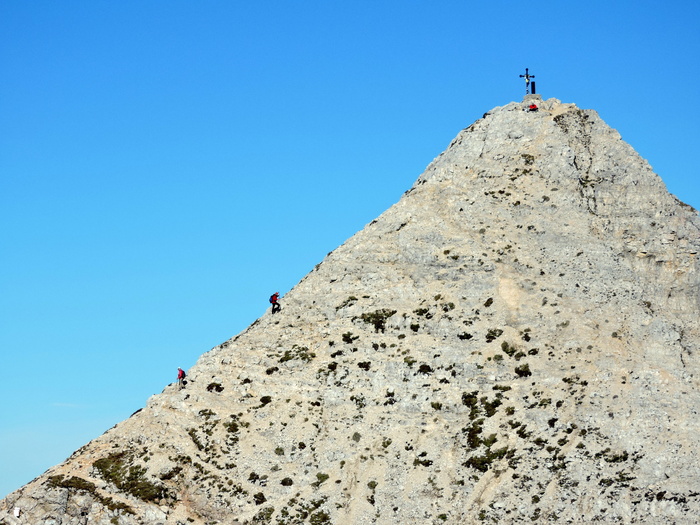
(274, 301)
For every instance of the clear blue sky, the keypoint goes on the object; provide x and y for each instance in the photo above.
(166, 165)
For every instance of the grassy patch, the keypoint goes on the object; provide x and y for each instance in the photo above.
(80, 484)
(118, 470)
(483, 463)
(300, 353)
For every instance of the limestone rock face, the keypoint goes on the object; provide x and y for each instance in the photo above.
(515, 340)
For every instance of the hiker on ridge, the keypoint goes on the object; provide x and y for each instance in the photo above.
(181, 378)
(274, 301)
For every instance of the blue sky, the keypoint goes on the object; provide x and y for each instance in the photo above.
(166, 165)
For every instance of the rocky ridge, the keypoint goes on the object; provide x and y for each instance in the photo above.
(516, 340)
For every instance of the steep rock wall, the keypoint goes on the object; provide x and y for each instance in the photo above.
(515, 340)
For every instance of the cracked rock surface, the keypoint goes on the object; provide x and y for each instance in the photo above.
(515, 340)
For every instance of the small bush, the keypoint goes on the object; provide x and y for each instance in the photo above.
(492, 334)
(264, 516)
(320, 478)
(348, 302)
(422, 312)
(507, 349)
(473, 433)
(300, 353)
(490, 406)
(378, 318)
(425, 369)
(470, 399)
(421, 461)
(483, 463)
(523, 370)
(349, 338)
(319, 518)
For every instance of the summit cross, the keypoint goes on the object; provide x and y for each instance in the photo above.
(527, 76)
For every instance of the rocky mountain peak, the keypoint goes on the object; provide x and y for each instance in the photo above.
(516, 339)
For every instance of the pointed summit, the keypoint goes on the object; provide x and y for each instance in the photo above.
(515, 340)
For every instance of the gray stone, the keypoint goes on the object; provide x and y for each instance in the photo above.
(515, 340)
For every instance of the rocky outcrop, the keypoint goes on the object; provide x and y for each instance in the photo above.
(515, 340)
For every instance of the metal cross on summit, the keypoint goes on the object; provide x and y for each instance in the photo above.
(527, 76)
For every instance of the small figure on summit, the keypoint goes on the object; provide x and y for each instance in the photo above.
(181, 378)
(274, 301)
(532, 107)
